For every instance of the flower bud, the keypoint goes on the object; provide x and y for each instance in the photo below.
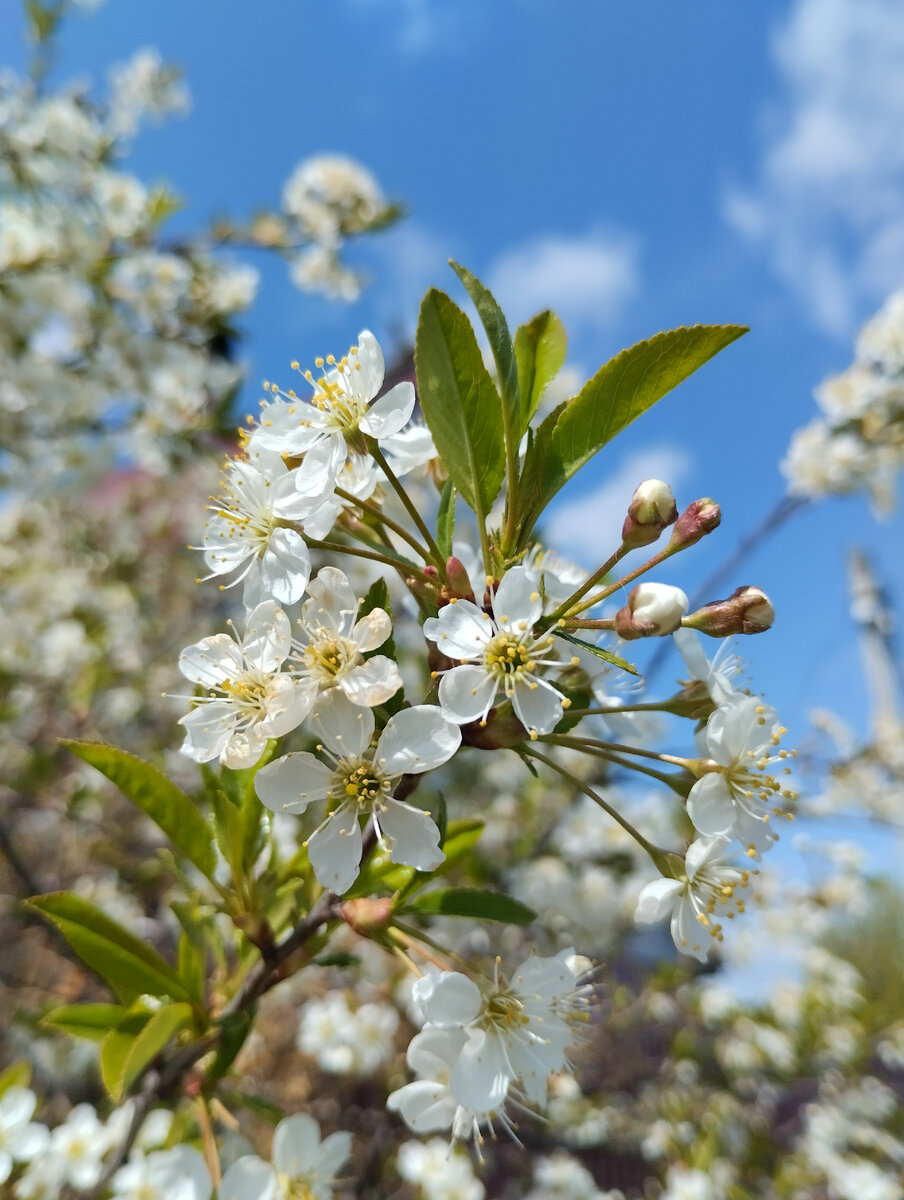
(698, 519)
(747, 610)
(652, 508)
(367, 915)
(653, 609)
(459, 584)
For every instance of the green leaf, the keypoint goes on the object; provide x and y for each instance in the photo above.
(620, 391)
(90, 1021)
(460, 837)
(157, 797)
(162, 1027)
(234, 1029)
(17, 1074)
(598, 652)
(474, 902)
(192, 967)
(114, 1051)
(129, 965)
(445, 519)
(540, 348)
(493, 320)
(459, 401)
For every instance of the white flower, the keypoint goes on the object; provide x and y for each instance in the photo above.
(441, 1174)
(347, 1042)
(705, 891)
(249, 698)
(360, 783)
(331, 654)
(653, 609)
(738, 795)
(428, 1104)
(176, 1174)
(516, 1030)
(340, 415)
(303, 1166)
(716, 674)
(248, 535)
(77, 1147)
(21, 1139)
(505, 654)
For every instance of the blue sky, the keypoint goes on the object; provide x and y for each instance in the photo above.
(635, 166)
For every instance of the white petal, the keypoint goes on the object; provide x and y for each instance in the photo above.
(450, 998)
(333, 1154)
(373, 682)
(211, 661)
(425, 1105)
(433, 1052)
(416, 740)
(411, 448)
(703, 851)
(366, 382)
(285, 567)
(412, 836)
(207, 730)
(461, 630)
(391, 413)
(288, 703)
(372, 630)
(687, 933)
(343, 727)
(268, 635)
(244, 748)
(333, 605)
(517, 604)
(710, 805)
(295, 1144)
(537, 705)
(292, 782)
(466, 693)
(320, 468)
(249, 1178)
(17, 1104)
(335, 851)
(657, 900)
(481, 1077)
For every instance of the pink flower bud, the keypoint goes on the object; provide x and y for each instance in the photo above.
(698, 519)
(653, 609)
(652, 508)
(459, 583)
(747, 610)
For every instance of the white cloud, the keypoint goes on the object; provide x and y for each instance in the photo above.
(828, 204)
(588, 528)
(424, 26)
(587, 280)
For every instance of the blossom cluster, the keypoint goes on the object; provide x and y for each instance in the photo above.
(857, 442)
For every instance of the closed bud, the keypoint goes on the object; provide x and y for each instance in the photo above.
(747, 610)
(653, 609)
(651, 510)
(459, 585)
(367, 915)
(698, 519)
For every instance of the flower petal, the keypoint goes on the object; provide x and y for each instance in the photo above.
(481, 1077)
(372, 630)
(333, 1155)
(212, 660)
(465, 693)
(292, 782)
(448, 998)
(412, 836)
(367, 381)
(207, 730)
(425, 1105)
(284, 569)
(344, 728)
(295, 1145)
(335, 851)
(373, 682)
(268, 635)
(517, 604)
(710, 805)
(332, 605)
(416, 740)
(657, 900)
(537, 704)
(461, 630)
(249, 1178)
(391, 413)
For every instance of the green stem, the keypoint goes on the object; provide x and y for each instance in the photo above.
(410, 507)
(377, 512)
(629, 578)
(651, 706)
(357, 552)
(588, 583)
(581, 743)
(654, 852)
